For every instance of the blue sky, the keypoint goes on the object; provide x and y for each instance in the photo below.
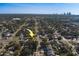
(39, 8)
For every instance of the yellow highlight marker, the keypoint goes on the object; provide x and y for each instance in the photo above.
(31, 33)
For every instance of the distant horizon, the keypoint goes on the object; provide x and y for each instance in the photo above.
(40, 13)
(39, 8)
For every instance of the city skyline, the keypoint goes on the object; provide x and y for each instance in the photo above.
(39, 8)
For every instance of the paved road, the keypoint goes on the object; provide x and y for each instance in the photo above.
(49, 46)
(37, 36)
(5, 42)
(66, 42)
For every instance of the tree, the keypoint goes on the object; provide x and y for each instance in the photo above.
(59, 38)
(26, 52)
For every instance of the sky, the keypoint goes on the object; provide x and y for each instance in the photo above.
(39, 8)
